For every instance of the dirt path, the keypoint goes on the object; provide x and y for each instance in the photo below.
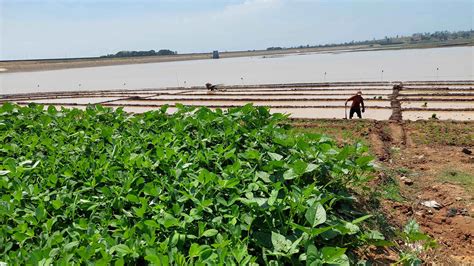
(395, 104)
(398, 134)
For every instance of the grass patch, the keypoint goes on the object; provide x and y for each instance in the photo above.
(442, 132)
(457, 177)
(391, 191)
(403, 171)
(343, 132)
(390, 188)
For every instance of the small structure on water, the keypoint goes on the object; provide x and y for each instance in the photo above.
(215, 54)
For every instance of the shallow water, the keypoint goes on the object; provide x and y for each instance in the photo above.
(308, 113)
(442, 115)
(291, 92)
(405, 97)
(438, 104)
(434, 92)
(454, 63)
(256, 97)
(328, 113)
(93, 100)
(256, 103)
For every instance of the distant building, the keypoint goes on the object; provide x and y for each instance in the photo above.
(215, 54)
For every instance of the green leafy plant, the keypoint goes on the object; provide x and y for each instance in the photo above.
(194, 187)
(415, 242)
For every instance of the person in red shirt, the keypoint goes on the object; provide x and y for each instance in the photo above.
(357, 102)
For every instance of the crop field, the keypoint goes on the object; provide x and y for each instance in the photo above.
(141, 178)
(201, 186)
(413, 101)
(198, 186)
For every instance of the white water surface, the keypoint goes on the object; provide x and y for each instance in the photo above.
(454, 63)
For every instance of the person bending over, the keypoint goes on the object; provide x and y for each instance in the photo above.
(357, 102)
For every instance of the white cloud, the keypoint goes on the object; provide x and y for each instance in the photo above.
(249, 7)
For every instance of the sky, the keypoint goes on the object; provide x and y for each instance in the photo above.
(79, 28)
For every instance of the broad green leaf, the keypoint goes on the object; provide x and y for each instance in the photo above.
(264, 176)
(280, 242)
(196, 250)
(210, 232)
(334, 255)
(290, 174)
(152, 223)
(275, 156)
(120, 249)
(411, 227)
(231, 183)
(299, 167)
(351, 228)
(313, 257)
(273, 197)
(364, 160)
(373, 234)
(169, 220)
(40, 212)
(311, 167)
(310, 230)
(316, 214)
(361, 219)
(133, 198)
(70, 245)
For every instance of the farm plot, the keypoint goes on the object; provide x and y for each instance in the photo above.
(198, 186)
(415, 100)
(453, 102)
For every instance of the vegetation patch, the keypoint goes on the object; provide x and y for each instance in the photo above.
(442, 132)
(457, 177)
(195, 187)
(391, 190)
(343, 131)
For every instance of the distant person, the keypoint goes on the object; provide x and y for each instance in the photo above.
(210, 87)
(357, 102)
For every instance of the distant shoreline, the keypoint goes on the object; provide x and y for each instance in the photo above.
(12, 66)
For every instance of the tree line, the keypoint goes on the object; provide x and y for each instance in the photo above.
(140, 53)
(412, 39)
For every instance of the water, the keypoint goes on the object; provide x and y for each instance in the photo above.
(455, 63)
(255, 102)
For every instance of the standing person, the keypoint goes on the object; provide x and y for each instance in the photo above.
(357, 101)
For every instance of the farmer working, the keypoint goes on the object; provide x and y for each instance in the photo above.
(357, 101)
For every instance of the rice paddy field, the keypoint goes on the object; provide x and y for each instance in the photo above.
(446, 100)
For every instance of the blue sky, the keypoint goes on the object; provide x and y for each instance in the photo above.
(72, 28)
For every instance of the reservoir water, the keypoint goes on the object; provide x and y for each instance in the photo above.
(454, 63)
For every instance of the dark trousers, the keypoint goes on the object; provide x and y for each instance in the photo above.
(355, 110)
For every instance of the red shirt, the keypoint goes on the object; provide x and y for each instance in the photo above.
(357, 100)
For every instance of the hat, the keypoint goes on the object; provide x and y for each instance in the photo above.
(359, 93)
